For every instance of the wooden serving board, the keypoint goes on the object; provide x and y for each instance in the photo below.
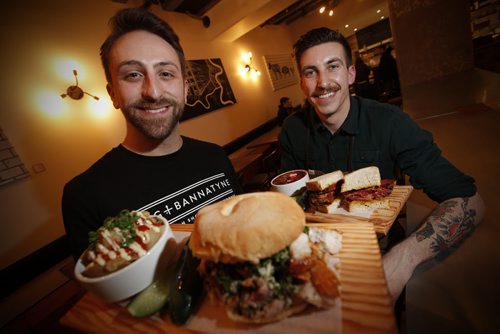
(382, 219)
(364, 306)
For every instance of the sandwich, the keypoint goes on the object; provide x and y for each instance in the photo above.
(260, 260)
(363, 190)
(324, 192)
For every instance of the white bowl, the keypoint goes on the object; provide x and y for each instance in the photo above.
(289, 182)
(129, 280)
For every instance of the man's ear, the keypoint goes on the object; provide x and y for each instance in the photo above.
(351, 72)
(111, 94)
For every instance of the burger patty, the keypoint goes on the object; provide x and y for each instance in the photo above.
(250, 290)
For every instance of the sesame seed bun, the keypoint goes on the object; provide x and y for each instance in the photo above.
(246, 227)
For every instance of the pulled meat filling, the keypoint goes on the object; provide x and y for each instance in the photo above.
(370, 194)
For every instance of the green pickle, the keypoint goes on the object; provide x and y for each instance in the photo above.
(149, 301)
(185, 287)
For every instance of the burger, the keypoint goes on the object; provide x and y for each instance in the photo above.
(260, 260)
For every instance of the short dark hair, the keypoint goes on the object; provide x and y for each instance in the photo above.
(133, 19)
(319, 36)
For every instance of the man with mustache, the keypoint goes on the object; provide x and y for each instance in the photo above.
(343, 132)
(155, 168)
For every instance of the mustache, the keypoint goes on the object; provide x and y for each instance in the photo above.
(326, 89)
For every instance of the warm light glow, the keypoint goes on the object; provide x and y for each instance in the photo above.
(247, 57)
(243, 70)
(50, 104)
(246, 69)
(99, 109)
(382, 17)
(322, 9)
(253, 74)
(331, 12)
(64, 69)
(355, 29)
(378, 11)
(346, 26)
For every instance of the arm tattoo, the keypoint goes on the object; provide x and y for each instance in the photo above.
(447, 226)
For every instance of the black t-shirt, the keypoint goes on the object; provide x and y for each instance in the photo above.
(175, 186)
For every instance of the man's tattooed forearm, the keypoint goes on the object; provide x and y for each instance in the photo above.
(426, 232)
(447, 225)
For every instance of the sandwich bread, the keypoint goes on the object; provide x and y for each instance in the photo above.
(361, 178)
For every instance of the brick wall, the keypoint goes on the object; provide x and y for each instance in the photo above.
(11, 166)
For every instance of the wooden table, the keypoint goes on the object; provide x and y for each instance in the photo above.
(245, 161)
(365, 303)
(247, 166)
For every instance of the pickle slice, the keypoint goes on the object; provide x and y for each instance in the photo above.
(150, 300)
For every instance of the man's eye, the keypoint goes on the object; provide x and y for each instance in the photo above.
(132, 76)
(308, 74)
(334, 66)
(166, 75)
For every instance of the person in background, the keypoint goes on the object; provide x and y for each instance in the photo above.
(343, 132)
(154, 169)
(284, 109)
(388, 73)
(362, 81)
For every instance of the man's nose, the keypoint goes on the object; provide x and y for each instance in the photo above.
(322, 80)
(151, 88)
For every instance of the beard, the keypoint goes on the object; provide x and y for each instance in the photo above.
(159, 127)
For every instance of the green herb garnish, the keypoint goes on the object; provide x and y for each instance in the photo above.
(275, 267)
(124, 221)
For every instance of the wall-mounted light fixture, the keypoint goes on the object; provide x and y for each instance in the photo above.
(75, 92)
(249, 68)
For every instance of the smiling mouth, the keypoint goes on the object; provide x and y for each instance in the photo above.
(155, 110)
(325, 95)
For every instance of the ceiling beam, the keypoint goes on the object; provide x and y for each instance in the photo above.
(247, 17)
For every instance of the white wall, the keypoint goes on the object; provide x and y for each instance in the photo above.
(66, 136)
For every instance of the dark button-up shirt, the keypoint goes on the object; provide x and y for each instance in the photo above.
(373, 134)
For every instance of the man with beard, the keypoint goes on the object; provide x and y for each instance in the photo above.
(343, 132)
(154, 169)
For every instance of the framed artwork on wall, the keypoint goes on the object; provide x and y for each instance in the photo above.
(209, 87)
(281, 70)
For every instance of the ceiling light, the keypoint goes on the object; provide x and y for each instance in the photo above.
(328, 7)
(382, 17)
(355, 29)
(378, 11)
(346, 26)
(75, 92)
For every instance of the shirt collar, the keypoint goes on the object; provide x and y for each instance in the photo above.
(350, 125)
